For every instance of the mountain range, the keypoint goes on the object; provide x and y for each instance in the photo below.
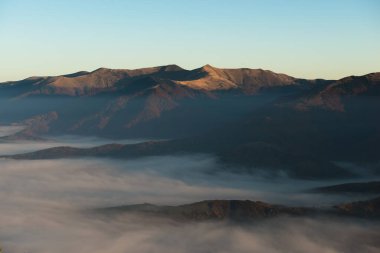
(120, 102)
(250, 119)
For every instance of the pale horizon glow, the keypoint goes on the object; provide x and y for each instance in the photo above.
(326, 39)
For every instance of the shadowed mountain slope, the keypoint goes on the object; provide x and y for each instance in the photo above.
(279, 130)
(115, 102)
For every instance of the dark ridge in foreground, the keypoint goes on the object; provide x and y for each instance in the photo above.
(69, 152)
(367, 209)
(238, 210)
(108, 150)
(304, 167)
(244, 210)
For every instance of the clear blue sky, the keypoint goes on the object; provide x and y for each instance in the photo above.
(303, 38)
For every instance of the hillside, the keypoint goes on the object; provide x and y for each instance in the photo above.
(116, 103)
(243, 210)
(281, 130)
(234, 210)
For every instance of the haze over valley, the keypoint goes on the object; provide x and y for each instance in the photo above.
(128, 152)
(189, 126)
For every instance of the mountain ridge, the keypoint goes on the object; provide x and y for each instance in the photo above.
(206, 77)
(301, 128)
(124, 99)
(245, 210)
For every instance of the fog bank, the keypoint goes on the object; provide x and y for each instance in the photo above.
(43, 205)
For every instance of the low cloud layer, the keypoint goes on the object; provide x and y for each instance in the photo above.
(42, 205)
(18, 147)
(62, 232)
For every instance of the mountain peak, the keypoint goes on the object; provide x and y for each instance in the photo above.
(170, 68)
(101, 69)
(76, 74)
(105, 71)
(204, 78)
(374, 76)
(208, 68)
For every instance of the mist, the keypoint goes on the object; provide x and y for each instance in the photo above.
(9, 130)
(45, 203)
(64, 233)
(24, 146)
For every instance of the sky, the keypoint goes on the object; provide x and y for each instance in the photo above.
(310, 39)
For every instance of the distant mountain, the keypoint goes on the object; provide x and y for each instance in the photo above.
(252, 120)
(246, 80)
(282, 133)
(114, 103)
(337, 95)
(109, 80)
